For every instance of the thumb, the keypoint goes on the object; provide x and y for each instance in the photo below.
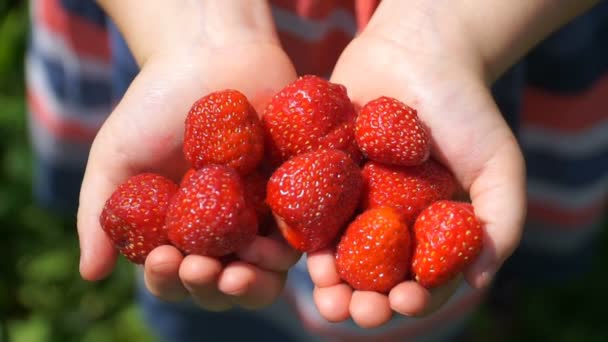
(102, 176)
(499, 198)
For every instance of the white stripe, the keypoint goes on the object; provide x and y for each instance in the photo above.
(314, 30)
(55, 47)
(566, 198)
(53, 149)
(37, 80)
(552, 238)
(587, 144)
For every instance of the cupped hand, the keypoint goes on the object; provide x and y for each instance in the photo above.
(469, 136)
(144, 133)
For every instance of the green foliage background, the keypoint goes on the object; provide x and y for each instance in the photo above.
(43, 298)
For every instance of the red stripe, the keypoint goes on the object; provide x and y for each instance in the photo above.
(365, 9)
(317, 57)
(84, 37)
(452, 311)
(61, 128)
(570, 218)
(566, 113)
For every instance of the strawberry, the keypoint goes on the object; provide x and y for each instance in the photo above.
(313, 195)
(210, 215)
(407, 189)
(223, 128)
(255, 193)
(186, 177)
(447, 238)
(374, 252)
(309, 114)
(134, 215)
(390, 132)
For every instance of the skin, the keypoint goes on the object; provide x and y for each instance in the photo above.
(441, 59)
(438, 56)
(145, 132)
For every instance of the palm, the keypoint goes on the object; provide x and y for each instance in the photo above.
(145, 132)
(469, 136)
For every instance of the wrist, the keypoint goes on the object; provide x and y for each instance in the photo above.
(163, 27)
(429, 34)
(503, 31)
(485, 37)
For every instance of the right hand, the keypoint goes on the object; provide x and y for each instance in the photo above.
(145, 133)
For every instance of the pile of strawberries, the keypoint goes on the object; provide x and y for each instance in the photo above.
(325, 174)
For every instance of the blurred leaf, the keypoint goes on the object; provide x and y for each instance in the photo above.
(12, 116)
(33, 329)
(129, 326)
(100, 332)
(42, 222)
(12, 44)
(53, 265)
(41, 298)
(17, 164)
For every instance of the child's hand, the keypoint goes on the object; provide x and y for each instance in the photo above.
(144, 133)
(425, 69)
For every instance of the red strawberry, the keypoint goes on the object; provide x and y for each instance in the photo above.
(407, 189)
(210, 215)
(313, 195)
(374, 252)
(447, 238)
(309, 114)
(255, 192)
(388, 131)
(223, 128)
(134, 216)
(186, 177)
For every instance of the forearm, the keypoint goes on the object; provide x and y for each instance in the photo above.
(490, 35)
(160, 26)
(503, 31)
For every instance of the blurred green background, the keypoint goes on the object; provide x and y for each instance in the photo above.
(43, 298)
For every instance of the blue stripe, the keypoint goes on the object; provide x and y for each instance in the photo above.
(73, 88)
(57, 187)
(86, 9)
(542, 267)
(557, 66)
(569, 74)
(567, 173)
(507, 95)
(124, 67)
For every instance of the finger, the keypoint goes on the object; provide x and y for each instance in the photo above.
(269, 254)
(249, 286)
(161, 274)
(440, 295)
(97, 253)
(200, 275)
(409, 298)
(333, 302)
(370, 309)
(499, 198)
(322, 268)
